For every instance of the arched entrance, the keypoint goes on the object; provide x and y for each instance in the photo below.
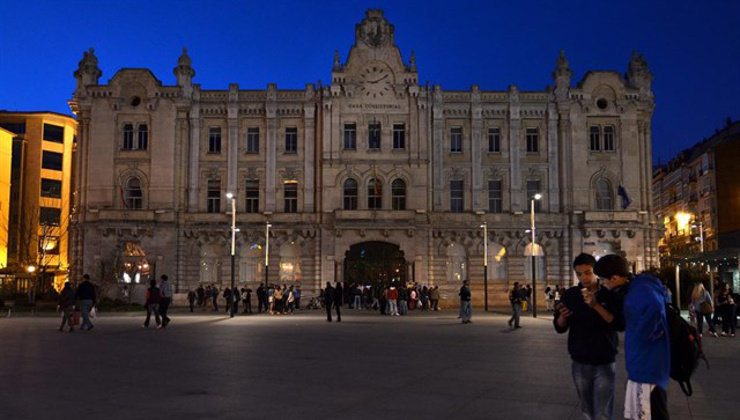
(374, 263)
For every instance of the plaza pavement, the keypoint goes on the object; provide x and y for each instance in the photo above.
(422, 366)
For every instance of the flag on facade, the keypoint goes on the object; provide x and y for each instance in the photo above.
(625, 198)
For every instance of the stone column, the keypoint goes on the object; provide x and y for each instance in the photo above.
(437, 145)
(553, 195)
(309, 127)
(194, 164)
(515, 187)
(270, 147)
(476, 124)
(233, 152)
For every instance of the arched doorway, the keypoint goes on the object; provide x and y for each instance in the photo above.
(374, 263)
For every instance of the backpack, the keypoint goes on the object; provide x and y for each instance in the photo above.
(686, 349)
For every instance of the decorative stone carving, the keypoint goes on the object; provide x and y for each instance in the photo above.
(375, 31)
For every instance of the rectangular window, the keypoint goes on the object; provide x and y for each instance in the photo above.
(53, 133)
(49, 245)
(399, 136)
(128, 137)
(373, 136)
(609, 138)
(532, 140)
(350, 136)
(214, 196)
(51, 188)
(253, 196)
(253, 140)
(290, 194)
(456, 139)
(143, 137)
(214, 140)
(52, 160)
(291, 140)
(494, 196)
(50, 216)
(456, 196)
(595, 138)
(494, 140)
(533, 187)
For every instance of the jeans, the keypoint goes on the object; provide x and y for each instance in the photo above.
(85, 307)
(466, 310)
(595, 386)
(403, 307)
(392, 307)
(516, 311)
(164, 305)
(700, 322)
(358, 303)
(152, 309)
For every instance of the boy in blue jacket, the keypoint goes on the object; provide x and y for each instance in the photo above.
(647, 348)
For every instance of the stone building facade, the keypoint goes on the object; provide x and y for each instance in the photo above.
(368, 178)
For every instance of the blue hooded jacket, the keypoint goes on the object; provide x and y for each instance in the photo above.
(647, 347)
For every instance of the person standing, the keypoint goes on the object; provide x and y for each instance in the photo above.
(201, 293)
(66, 305)
(247, 296)
(191, 299)
(647, 347)
(214, 297)
(297, 296)
(434, 297)
(164, 302)
(726, 308)
(153, 297)
(86, 295)
(393, 301)
(328, 300)
(591, 314)
(702, 305)
(516, 296)
(338, 300)
(261, 298)
(466, 311)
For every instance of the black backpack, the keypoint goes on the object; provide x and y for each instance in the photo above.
(685, 349)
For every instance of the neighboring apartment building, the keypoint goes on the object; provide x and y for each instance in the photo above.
(6, 154)
(369, 178)
(40, 191)
(697, 195)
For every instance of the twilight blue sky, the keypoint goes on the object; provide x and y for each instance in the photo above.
(692, 47)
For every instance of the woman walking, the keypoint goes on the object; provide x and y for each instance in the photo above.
(67, 305)
(703, 306)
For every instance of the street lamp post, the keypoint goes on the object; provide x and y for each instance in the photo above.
(534, 262)
(267, 252)
(232, 197)
(485, 265)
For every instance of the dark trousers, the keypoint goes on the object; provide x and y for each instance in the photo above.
(327, 305)
(192, 305)
(339, 314)
(261, 303)
(164, 305)
(247, 306)
(658, 404)
(215, 304)
(728, 318)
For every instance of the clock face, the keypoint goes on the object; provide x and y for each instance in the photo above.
(376, 81)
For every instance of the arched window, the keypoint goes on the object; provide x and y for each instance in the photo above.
(604, 199)
(398, 194)
(132, 194)
(374, 194)
(350, 194)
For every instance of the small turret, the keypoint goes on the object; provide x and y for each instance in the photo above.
(183, 72)
(412, 62)
(87, 72)
(562, 75)
(337, 62)
(638, 76)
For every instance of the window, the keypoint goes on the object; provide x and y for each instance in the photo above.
(290, 195)
(604, 199)
(350, 194)
(291, 140)
(398, 194)
(52, 160)
(373, 136)
(128, 137)
(494, 140)
(609, 138)
(374, 194)
(253, 140)
(213, 202)
(50, 216)
(54, 133)
(456, 139)
(594, 135)
(51, 188)
(494, 196)
(456, 196)
(143, 137)
(350, 136)
(399, 136)
(532, 140)
(533, 187)
(214, 140)
(253, 196)
(132, 194)
(49, 245)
